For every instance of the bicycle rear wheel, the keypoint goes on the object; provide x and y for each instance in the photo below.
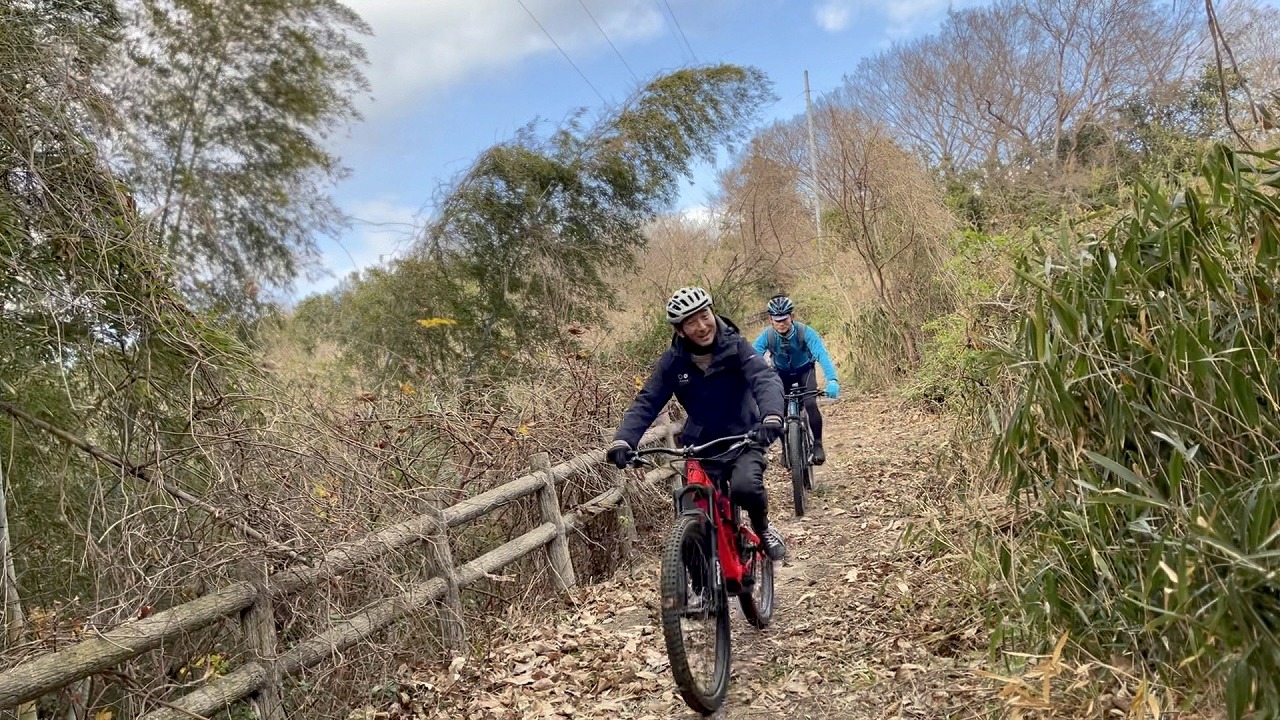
(700, 669)
(810, 473)
(757, 605)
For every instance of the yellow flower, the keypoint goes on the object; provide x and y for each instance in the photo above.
(436, 322)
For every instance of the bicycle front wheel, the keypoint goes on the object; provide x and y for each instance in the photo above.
(695, 616)
(799, 466)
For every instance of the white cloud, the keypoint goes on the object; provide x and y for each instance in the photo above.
(698, 215)
(903, 18)
(833, 15)
(420, 47)
(383, 229)
(909, 17)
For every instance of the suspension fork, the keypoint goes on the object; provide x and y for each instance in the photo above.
(704, 506)
(793, 416)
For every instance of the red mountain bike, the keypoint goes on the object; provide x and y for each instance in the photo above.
(709, 555)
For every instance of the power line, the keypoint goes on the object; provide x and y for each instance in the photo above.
(562, 52)
(606, 38)
(677, 22)
(667, 24)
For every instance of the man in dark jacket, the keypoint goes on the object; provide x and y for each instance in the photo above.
(726, 388)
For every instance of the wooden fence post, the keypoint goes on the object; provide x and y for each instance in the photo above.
(452, 631)
(670, 439)
(669, 436)
(627, 536)
(258, 621)
(558, 548)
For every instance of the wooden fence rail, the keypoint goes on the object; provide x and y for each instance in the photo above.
(250, 602)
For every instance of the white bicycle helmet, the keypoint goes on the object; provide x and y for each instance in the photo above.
(685, 303)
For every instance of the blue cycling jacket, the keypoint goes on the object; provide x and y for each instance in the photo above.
(730, 398)
(792, 356)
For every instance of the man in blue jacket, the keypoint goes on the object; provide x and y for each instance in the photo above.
(726, 388)
(794, 349)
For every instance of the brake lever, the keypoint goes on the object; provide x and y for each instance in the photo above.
(640, 461)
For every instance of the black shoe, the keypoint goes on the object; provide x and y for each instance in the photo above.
(819, 456)
(774, 547)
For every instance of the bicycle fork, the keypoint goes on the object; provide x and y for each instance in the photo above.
(713, 549)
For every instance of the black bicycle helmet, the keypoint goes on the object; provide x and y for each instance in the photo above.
(781, 306)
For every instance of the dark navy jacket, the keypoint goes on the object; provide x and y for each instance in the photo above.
(738, 389)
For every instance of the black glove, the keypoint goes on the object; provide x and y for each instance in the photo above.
(767, 431)
(620, 454)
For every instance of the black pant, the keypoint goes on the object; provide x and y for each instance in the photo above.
(808, 380)
(746, 484)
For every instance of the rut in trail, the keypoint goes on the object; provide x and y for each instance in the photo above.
(866, 625)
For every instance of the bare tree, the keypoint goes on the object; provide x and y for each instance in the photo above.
(763, 208)
(1017, 82)
(1253, 30)
(1251, 33)
(885, 208)
(1101, 52)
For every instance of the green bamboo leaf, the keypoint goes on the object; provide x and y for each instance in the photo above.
(1239, 691)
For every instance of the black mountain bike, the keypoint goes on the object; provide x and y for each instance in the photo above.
(797, 445)
(710, 556)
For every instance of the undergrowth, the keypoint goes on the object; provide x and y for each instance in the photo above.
(1144, 425)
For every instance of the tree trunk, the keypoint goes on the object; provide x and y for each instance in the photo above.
(14, 620)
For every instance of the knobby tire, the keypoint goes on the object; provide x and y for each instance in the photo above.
(799, 465)
(673, 583)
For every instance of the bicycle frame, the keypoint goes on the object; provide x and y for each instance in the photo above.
(713, 504)
(728, 561)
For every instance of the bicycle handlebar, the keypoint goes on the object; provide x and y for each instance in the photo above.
(694, 451)
(802, 393)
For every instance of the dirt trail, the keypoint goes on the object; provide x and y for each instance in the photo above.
(866, 625)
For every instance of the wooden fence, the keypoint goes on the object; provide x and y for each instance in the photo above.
(250, 602)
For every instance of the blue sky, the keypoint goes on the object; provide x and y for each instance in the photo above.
(452, 77)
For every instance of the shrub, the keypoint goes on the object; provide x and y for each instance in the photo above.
(876, 356)
(1146, 420)
(974, 279)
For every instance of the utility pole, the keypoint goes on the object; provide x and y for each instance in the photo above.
(813, 163)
